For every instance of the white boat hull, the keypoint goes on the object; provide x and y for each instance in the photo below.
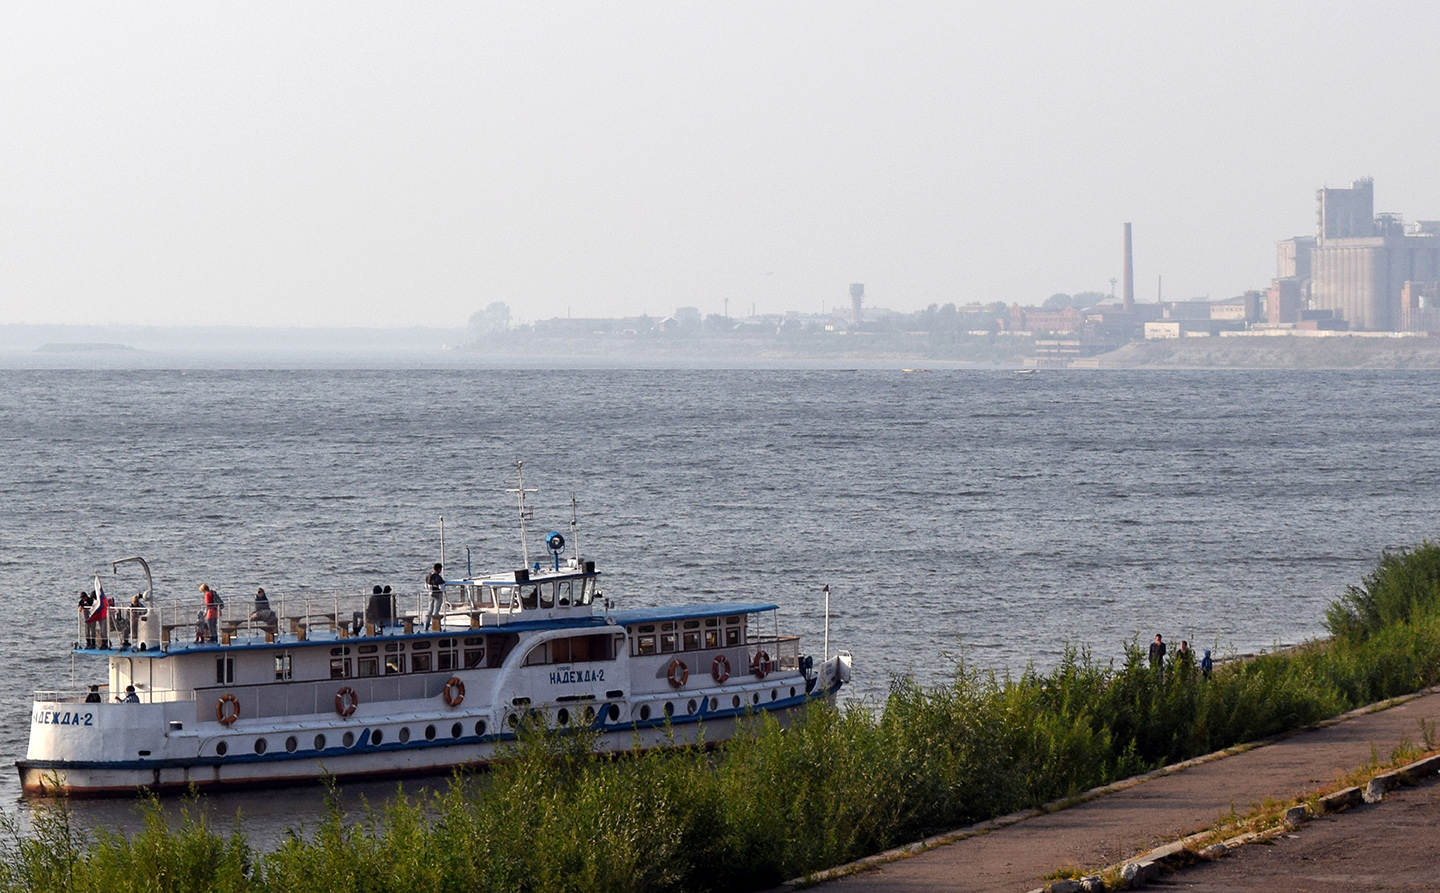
(83, 743)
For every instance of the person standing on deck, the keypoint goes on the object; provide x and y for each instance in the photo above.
(212, 611)
(87, 601)
(435, 582)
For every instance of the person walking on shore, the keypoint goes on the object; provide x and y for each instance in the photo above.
(1157, 656)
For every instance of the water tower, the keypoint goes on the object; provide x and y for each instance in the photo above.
(857, 295)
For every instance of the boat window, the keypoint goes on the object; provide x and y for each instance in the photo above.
(596, 647)
(647, 628)
(394, 646)
(712, 638)
(692, 624)
(645, 644)
(582, 648)
(485, 597)
(587, 591)
(282, 665)
(547, 595)
(369, 649)
(369, 666)
(712, 621)
(691, 640)
(336, 652)
(732, 636)
(224, 670)
(339, 667)
(577, 649)
(474, 657)
(667, 642)
(529, 599)
(538, 655)
(394, 663)
(504, 596)
(562, 593)
(732, 621)
(419, 646)
(445, 659)
(420, 663)
(499, 648)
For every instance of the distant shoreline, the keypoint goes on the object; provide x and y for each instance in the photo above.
(1276, 353)
(136, 347)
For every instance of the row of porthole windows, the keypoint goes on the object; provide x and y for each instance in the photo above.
(348, 740)
(562, 718)
(691, 706)
(563, 715)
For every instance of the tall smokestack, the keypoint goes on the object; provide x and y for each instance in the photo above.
(857, 296)
(1129, 274)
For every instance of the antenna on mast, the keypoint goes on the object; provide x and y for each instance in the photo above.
(525, 514)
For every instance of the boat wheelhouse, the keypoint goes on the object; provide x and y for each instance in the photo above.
(379, 684)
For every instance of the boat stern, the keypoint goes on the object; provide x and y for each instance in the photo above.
(71, 738)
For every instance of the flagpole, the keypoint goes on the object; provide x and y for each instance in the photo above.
(827, 621)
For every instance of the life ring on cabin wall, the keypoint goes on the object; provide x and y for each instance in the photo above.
(227, 709)
(346, 701)
(678, 674)
(760, 665)
(454, 691)
(720, 668)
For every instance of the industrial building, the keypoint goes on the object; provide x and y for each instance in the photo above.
(1361, 270)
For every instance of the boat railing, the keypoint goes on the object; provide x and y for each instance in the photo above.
(784, 651)
(69, 696)
(296, 615)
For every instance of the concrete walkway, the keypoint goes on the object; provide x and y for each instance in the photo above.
(1116, 826)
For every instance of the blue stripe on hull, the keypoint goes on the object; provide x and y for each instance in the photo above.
(193, 763)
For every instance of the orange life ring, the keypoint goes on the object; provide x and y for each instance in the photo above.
(454, 691)
(720, 668)
(678, 674)
(346, 701)
(760, 664)
(227, 709)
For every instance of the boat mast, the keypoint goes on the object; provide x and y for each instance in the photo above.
(524, 513)
(574, 523)
(827, 621)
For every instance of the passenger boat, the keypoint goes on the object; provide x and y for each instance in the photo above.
(355, 685)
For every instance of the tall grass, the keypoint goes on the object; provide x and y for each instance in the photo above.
(773, 803)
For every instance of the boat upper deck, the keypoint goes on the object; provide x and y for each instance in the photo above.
(562, 598)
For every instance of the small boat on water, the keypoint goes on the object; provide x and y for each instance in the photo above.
(356, 685)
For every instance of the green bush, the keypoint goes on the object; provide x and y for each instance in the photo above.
(1404, 587)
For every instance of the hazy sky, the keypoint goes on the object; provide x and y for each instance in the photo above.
(395, 164)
